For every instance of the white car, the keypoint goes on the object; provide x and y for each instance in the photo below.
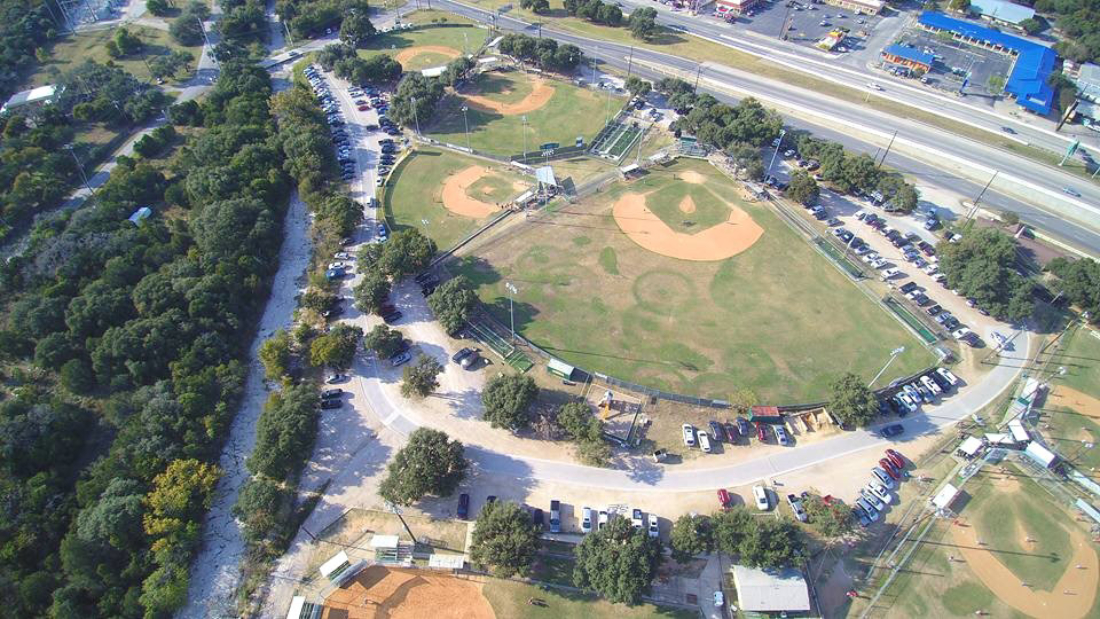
(763, 503)
(636, 519)
(880, 492)
(871, 85)
(930, 385)
(948, 376)
(872, 499)
(704, 442)
(601, 522)
(586, 520)
(689, 434)
(654, 528)
(961, 333)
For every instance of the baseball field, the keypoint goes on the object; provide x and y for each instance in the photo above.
(446, 195)
(1070, 419)
(679, 282)
(498, 103)
(438, 39)
(1012, 552)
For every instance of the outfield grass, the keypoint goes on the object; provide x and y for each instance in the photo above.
(510, 599)
(413, 196)
(72, 50)
(1082, 362)
(1072, 433)
(571, 112)
(438, 28)
(776, 318)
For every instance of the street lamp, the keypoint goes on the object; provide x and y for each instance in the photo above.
(466, 122)
(524, 117)
(778, 143)
(416, 119)
(511, 308)
(893, 355)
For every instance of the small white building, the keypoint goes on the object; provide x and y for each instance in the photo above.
(771, 591)
(32, 99)
(1041, 455)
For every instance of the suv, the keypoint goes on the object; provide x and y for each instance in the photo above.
(586, 520)
(555, 516)
(716, 431)
(761, 496)
(689, 435)
(781, 436)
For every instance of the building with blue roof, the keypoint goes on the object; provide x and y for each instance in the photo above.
(908, 57)
(1027, 82)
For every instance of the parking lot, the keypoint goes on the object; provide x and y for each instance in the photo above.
(807, 21)
(954, 60)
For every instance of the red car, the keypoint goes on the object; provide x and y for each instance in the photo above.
(364, 108)
(889, 468)
(761, 433)
(724, 498)
(896, 458)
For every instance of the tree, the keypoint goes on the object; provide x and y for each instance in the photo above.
(504, 540)
(691, 536)
(851, 401)
(577, 420)
(416, 99)
(619, 562)
(643, 24)
(421, 378)
(959, 6)
(371, 292)
(594, 452)
(743, 399)
(772, 544)
(828, 520)
(160, 8)
(284, 432)
(263, 505)
(803, 188)
(335, 349)
(407, 252)
(452, 302)
(1079, 281)
(275, 355)
(356, 28)
(1010, 218)
(187, 29)
(169, 64)
(507, 398)
(183, 492)
(996, 83)
(429, 464)
(730, 528)
(982, 266)
(1031, 25)
(384, 341)
(637, 87)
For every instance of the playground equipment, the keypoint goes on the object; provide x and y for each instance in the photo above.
(605, 406)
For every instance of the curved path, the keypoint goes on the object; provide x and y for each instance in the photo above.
(650, 476)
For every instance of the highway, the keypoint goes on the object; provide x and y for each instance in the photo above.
(954, 163)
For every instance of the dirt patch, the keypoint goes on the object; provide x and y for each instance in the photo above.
(540, 96)
(379, 592)
(458, 202)
(687, 205)
(1072, 596)
(693, 177)
(405, 55)
(719, 242)
(1082, 403)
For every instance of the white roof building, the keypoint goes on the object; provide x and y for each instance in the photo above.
(771, 591)
(35, 96)
(970, 446)
(945, 497)
(1041, 455)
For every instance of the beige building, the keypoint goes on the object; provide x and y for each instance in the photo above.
(863, 7)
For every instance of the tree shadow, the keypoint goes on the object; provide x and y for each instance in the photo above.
(506, 310)
(476, 269)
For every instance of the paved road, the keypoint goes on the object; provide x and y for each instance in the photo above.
(1056, 208)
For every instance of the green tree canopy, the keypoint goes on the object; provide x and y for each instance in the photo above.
(335, 349)
(982, 266)
(429, 464)
(803, 188)
(691, 536)
(507, 400)
(371, 292)
(772, 544)
(619, 562)
(275, 355)
(504, 539)
(384, 341)
(829, 521)
(451, 303)
(851, 401)
(421, 378)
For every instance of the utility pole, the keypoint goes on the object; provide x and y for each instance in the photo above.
(974, 209)
(698, 70)
(524, 118)
(80, 169)
(778, 145)
(416, 119)
(511, 308)
(467, 123)
(397, 512)
(206, 39)
(888, 147)
(630, 61)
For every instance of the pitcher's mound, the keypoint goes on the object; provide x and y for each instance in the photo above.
(383, 593)
(719, 242)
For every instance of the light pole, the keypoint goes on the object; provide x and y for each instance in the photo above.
(511, 308)
(80, 169)
(893, 355)
(416, 118)
(467, 123)
(524, 117)
(397, 512)
(778, 144)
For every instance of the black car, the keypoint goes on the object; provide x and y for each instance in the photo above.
(909, 287)
(892, 430)
(537, 518)
(427, 290)
(462, 354)
(743, 426)
(392, 317)
(331, 404)
(939, 380)
(463, 505)
(328, 394)
(423, 277)
(716, 431)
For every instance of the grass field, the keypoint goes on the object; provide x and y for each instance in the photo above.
(74, 49)
(450, 31)
(571, 111)
(777, 318)
(414, 194)
(1082, 362)
(1071, 432)
(935, 586)
(510, 599)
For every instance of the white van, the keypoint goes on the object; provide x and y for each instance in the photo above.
(704, 442)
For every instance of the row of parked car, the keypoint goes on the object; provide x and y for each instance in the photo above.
(731, 431)
(877, 494)
(926, 388)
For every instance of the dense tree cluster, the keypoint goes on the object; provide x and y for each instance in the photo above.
(582, 426)
(407, 252)
(983, 266)
(1079, 281)
(308, 18)
(27, 27)
(691, 536)
(187, 28)
(803, 188)
(416, 99)
(537, 6)
(619, 562)
(545, 52)
(596, 11)
(643, 24)
(756, 542)
(421, 378)
(100, 93)
(170, 64)
(849, 173)
(430, 463)
(35, 170)
(124, 43)
(1079, 23)
(721, 126)
(156, 141)
(147, 324)
(347, 64)
(356, 28)
(830, 520)
(452, 302)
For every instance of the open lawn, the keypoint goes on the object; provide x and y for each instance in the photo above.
(777, 318)
(72, 50)
(510, 599)
(569, 112)
(415, 196)
(1071, 414)
(948, 576)
(1082, 362)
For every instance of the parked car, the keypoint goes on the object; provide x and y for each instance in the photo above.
(704, 442)
(586, 520)
(537, 518)
(636, 519)
(689, 434)
(399, 359)
(883, 476)
(328, 394)
(881, 492)
(601, 521)
(760, 494)
(889, 467)
(654, 527)
(462, 354)
(871, 512)
(861, 516)
(761, 433)
(892, 430)
(743, 426)
(716, 431)
(724, 498)
(796, 507)
(868, 496)
(948, 376)
(781, 435)
(392, 317)
(731, 432)
(331, 404)
(337, 378)
(469, 360)
(555, 516)
(463, 505)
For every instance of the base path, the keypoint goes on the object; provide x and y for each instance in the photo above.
(645, 228)
(456, 200)
(405, 55)
(540, 96)
(1073, 594)
(383, 593)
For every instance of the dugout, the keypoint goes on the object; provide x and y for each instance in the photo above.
(561, 369)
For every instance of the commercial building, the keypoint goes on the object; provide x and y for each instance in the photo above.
(30, 100)
(1002, 12)
(734, 7)
(861, 7)
(907, 56)
(1087, 78)
(1034, 63)
(771, 591)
